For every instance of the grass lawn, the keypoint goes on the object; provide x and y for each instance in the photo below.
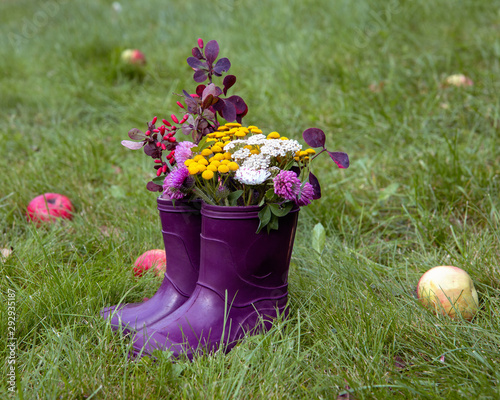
(422, 190)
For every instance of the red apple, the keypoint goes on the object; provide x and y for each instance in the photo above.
(48, 207)
(448, 290)
(151, 259)
(134, 57)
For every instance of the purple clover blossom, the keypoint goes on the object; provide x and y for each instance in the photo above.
(183, 151)
(287, 185)
(174, 181)
(306, 195)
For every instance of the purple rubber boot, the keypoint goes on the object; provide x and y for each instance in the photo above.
(181, 227)
(241, 289)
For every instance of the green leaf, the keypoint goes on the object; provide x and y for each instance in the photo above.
(281, 211)
(159, 180)
(234, 196)
(318, 237)
(201, 146)
(273, 224)
(264, 218)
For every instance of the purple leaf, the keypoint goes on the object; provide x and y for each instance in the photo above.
(316, 186)
(228, 111)
(228, 82)
(187, 129)
(208, 101)
(136, 134)
(222, 65)
(208, 114)
(200, 89)
(211, 89)
(211, 51)
(153, 187)
(195, 63)
(151, 150)
(199, 76)
(197, 53)
(132, 145)
(314, 137)
(341, 159)
(191, 103)
(239, 103)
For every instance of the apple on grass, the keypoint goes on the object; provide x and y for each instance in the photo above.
(48, 207)
(449, 291)
(152, 259)
(133, 57)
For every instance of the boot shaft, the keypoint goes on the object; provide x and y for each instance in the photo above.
(181, 227)
(249, 266)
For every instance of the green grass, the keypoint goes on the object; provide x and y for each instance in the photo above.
(422, 190)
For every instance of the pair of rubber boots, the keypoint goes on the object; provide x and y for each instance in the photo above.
(223, 280)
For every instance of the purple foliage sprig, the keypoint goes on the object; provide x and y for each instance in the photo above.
(202, 109)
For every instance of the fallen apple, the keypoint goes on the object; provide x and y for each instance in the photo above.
(134, 57)
(459, 80)
(48, 207)
(448, 290)
(151, 259)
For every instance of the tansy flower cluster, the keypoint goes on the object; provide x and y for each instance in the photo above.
(241, 160)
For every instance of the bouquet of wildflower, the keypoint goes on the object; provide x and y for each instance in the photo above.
(230, 164)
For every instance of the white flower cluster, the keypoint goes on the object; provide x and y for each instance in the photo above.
(249, 176)
(278, 147)
(239, 155)
(257, 161)
(256, 168)
(256, 140)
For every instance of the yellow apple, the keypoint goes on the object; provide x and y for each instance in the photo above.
(448, 290)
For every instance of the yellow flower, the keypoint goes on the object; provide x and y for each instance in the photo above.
(218, 156)
(220, 144)
(225, 162)
(255, 130)
(303, 153)
(203, 161)
(226, 138)
(212, 167)
(221, 128)
(233, 124)
(233, 166)
(223, 169)
(198, 157)
(227, 155)
(201, 168)
(273, 135)
(206, 152)
(215, 163)
(254, 151)
(193, 168)
(188, 162)
(207, 174)
(249, 147)
(284, 138)
(252, 127)
(310, 151)
(216, 149)
(211, 139)
(240, 134)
